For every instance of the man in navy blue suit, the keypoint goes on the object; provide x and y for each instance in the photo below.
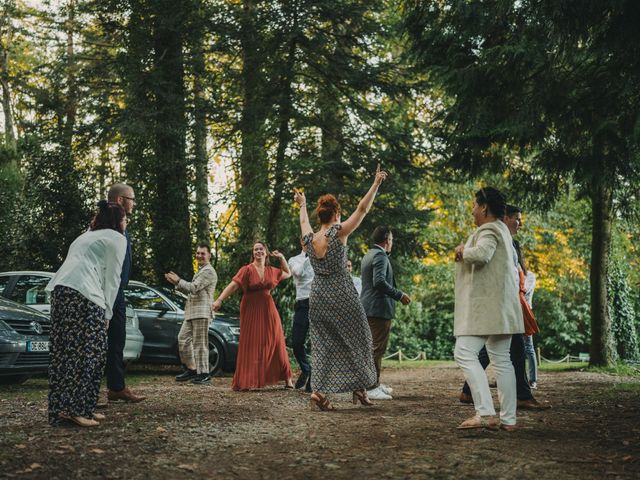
(116, 334)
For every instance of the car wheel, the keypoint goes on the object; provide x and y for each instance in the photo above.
(216, 356)
(14, 379)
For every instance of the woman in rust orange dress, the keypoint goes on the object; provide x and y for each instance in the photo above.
(262, 355)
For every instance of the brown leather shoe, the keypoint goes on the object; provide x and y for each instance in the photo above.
(466, 398)
(532, 404)
(125, 395)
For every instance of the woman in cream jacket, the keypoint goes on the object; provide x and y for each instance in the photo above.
(487, 310)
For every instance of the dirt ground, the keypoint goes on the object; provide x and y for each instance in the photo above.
(187, 431)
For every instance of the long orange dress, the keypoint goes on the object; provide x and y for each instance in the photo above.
(262, 354)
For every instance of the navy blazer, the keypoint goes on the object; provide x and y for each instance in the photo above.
(119, 305)
(379, 293)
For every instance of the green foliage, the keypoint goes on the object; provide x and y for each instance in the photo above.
(621, 310)
(54, 207)
(563, 317)
(426, 324)
(11, 183)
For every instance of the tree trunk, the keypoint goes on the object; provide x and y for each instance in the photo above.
(284, 132)
(137, 130)
(71, 105)
(201, 161)
(171, 233)
(5, 45)
(253, 184)
(9, 134)
(602, 347)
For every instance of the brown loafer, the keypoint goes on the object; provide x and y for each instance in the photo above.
(532, 404)
(466, 398)
(125, 395)
(508, 428)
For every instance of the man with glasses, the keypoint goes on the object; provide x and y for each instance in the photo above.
(116, 334)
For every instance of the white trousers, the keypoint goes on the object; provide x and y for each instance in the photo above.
(466, 355)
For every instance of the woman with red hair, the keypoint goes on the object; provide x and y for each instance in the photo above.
(340, 335)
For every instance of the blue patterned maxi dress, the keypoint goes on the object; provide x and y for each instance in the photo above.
(340, 335)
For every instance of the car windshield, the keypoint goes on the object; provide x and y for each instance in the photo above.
(176, 297)
(181, 300)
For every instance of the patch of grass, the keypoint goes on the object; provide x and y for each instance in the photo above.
(562, 367)
(414, 363)
(32, 390)
(627, 387)
(10, 438)
(620, 369)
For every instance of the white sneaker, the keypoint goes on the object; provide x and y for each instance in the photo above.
(386, 388)
(378, 394)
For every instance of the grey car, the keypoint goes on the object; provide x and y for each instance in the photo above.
(28, 288)
(24, 342)
(161, 313)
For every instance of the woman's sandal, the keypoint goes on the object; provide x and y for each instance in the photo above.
(321, 402)
(80, 421)
(98, 416)
(361, 396)
(489, 423)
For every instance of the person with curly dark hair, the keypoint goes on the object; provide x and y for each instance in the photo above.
(83, 292)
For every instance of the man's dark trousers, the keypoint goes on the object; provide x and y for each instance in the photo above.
(117, 336)
(518, 360)
(117, 332)
(299, 334)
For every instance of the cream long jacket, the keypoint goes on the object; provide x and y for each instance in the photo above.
(487, 301)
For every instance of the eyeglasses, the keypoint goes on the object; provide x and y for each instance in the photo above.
(129, 198)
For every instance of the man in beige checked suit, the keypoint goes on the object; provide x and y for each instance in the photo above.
(193, 339)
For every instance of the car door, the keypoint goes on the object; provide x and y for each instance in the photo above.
(29, 289)
(157, 322)
(6, 283)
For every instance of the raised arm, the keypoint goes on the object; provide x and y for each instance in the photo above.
(284, 266)
(305, 225)
(482, 252)
(226, 293)
(355, 219)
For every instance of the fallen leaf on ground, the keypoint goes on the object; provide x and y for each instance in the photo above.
(97, 450)
(188, 467)
(161, 429)
(21, 445)
(35, 466)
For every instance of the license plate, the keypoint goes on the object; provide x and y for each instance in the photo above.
(37, 346)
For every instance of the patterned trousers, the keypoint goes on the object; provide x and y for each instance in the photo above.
(78, 346)
(193, 343)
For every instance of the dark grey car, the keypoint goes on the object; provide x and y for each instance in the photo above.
(24, 342)
(160, 315)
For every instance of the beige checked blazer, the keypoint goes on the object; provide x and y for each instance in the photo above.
(200, 293)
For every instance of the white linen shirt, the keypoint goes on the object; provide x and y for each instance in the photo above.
(302, 273)
(93, 267)
(357, 282)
